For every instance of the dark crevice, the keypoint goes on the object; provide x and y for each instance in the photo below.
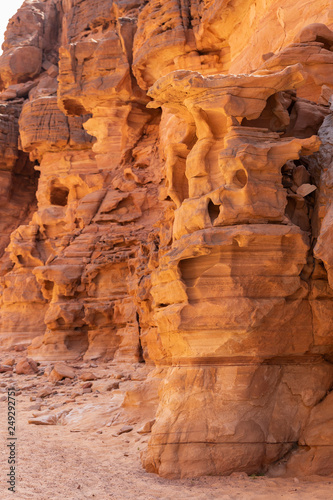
(285, 457)
(141, 356)
(18, 193)
(213, 211)
(73, 108)
(59, 195)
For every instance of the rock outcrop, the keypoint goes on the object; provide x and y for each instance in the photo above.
(183, 216)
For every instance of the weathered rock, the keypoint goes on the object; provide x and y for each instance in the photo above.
(59, 133)
(46, 391)
(9, 361)
(311, 48)
(125, 429)
(193, 234)
(146, 428)
(103, 386)
(47, 419)
(87, 376)
(87, 385)
(5, 368)
(26, 367)
(61, 371)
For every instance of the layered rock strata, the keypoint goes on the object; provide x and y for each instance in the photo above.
(183, 218)
(230, 301)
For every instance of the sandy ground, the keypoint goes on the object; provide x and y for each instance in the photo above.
(76, 461)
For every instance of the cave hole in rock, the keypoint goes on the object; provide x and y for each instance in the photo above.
(25, 176)
(191, 269)
(58, 194)
(78, 340)
(125, 205)
(326, 41)
(291, 106)
(74, 108)
(213, 211)
(240, 178)
(48, 285)
(274, 116)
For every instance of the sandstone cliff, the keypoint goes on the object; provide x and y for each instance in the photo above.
(183, 215)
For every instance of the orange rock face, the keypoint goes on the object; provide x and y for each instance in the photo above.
(183, 216)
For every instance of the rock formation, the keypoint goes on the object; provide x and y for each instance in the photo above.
(183, 216)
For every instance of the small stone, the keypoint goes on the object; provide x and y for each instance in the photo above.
(35, 407)
(60, 371)
(28, 387)
(8, 95)
(53, 71)
(19, 348)
(104, 385)
(9, 361)
(301, 175)
(146, 428)
(48, 370)
(239, 475)
(113, 385)
(46, 391)
(125, 428)
(46, 64)
(306, 189)
(68, 381)
(87, 390)
(3, 398)
(44, 420)
(5, 368)
(26, 367)
(87, 385)
(32, 398)
(88, 376)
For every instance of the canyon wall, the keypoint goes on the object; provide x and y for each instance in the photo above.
(166, 179)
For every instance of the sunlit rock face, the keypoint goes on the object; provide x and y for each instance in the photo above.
(182, 218)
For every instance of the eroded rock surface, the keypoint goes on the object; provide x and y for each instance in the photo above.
(182, 219)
